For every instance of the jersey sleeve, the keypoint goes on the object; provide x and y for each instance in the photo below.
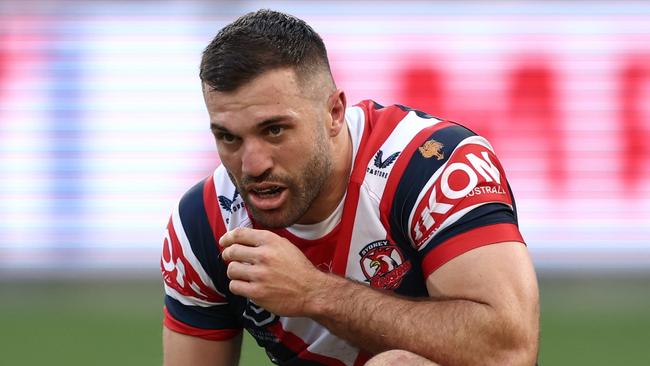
(195, 281)
(452, 197)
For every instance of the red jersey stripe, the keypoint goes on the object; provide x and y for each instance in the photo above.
(212, 210)
(383, 122)
(459, 244)
(210, 334)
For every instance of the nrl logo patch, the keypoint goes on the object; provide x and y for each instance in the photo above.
(432, 148)
(383, 264)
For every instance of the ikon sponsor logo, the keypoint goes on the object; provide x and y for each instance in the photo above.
(486, 190)
(470, 174)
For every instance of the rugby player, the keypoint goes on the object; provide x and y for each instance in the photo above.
(336, 234)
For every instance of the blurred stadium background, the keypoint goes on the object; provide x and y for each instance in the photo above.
(102, 128)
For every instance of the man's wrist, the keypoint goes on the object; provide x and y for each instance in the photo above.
(319, 301)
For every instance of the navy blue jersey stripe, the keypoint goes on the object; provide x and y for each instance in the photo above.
(281, 355)
(213, 317)
(488, 214)
(514, 204)
(199, 233)
(418, 113)
(416, 175)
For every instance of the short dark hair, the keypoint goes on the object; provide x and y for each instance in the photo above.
(258, 42)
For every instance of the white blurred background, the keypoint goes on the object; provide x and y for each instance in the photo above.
(102, 123)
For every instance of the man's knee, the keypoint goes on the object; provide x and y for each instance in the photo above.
(399, 357)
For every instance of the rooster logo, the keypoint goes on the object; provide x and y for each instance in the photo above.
(383, 264)
(432, 148)
(226, 203)
(385, 163)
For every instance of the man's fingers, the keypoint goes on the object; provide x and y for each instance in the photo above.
(243, 235)
(240, 271)
(241, 288)
(240, 253)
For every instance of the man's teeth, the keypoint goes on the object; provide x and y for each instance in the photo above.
(270, 190)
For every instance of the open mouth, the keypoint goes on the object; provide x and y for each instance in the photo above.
(268, 192)
(267, 196)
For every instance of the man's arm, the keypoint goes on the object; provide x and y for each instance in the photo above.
(483, 310)
(180, 350)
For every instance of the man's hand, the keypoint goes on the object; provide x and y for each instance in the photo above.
(269, 270)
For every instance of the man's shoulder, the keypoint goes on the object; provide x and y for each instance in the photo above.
(217, 184)
(403, 137)
(379, 115)
(406, 152)
(214, 198)
(400, 125)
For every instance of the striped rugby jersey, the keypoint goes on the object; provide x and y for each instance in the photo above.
(422, 191)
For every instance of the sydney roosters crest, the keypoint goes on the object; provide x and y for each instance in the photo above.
(383, 264)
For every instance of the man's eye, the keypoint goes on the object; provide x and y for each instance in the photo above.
(226, 137)
(275, 130)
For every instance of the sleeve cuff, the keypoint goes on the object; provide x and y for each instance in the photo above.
(462, 243)
(210, 334)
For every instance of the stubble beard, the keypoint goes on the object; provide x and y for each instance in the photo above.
(303, 189)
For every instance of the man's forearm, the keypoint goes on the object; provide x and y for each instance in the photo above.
(448, 331)
(490, 315)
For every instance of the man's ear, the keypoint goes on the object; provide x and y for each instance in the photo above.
(337, 104)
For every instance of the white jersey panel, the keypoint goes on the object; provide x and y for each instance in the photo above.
(367, 225)
(320, 340)
(356, 121)
(231, 203)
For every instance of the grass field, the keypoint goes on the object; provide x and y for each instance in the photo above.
(585, 321)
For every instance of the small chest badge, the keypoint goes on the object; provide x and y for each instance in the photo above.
(432, 148)
(383, 264)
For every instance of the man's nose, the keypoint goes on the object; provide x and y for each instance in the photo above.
(256, 159)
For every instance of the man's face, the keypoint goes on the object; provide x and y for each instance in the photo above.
(272, 140)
